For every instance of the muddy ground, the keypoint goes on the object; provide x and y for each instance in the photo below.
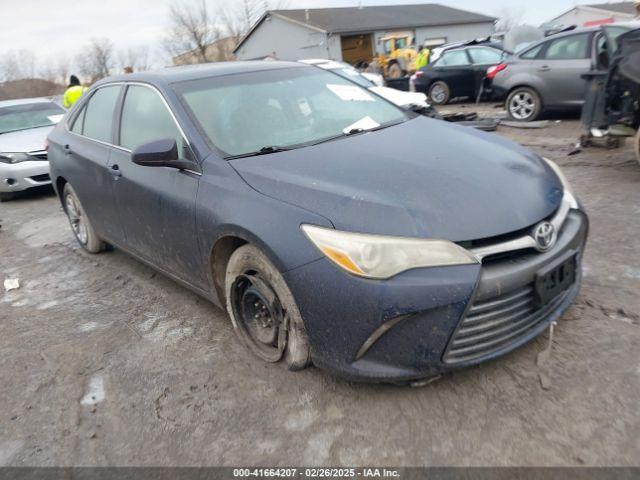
(105, 362)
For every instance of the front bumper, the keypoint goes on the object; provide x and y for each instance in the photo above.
(402, 329)
(15, 177)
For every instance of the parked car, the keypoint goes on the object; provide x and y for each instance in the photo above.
(24, 126)
(549, 75)
(311, 210)
(459, 72)
(368, 80)
(437, 52)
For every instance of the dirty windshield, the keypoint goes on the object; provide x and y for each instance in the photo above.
(264, 112)
(29, 115)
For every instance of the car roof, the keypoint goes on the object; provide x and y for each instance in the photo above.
(203, 70)
(25, 101)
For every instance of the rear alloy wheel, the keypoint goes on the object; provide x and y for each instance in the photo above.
(80, 224)
(524, 105)
(263, 310)
(637, 145)
(439, 93)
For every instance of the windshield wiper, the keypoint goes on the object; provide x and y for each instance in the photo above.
(263, 151)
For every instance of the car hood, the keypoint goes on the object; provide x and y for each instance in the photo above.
(422, 178)
(400, 98)
(31, 140)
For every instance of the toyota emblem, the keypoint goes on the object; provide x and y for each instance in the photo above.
(545, 236)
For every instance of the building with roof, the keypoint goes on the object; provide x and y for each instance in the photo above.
(596, 14)
(219, 51)
(356, 34)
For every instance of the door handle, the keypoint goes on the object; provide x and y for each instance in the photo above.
(115, 171)
(67, 149)
(544, 68)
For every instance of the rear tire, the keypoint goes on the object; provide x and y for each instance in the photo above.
(80, 223)
(524, 105)
(263, 311)
(440, 93)
(395, 71)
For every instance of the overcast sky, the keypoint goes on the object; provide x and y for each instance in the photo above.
(52, 27)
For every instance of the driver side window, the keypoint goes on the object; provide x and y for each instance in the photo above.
(145, 118)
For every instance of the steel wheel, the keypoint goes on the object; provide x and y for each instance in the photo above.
(76, 219)
(263, 311)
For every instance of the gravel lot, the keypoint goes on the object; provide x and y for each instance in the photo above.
(105, 362)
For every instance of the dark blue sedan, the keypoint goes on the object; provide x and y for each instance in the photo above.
(336, 228)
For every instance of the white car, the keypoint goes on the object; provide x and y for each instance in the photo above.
(24, 126)
(408, 100)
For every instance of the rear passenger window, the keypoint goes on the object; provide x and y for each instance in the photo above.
(145, 118)
(533, 53)
(98, 117)
(454, 59)
(569, 48)
(485, 56)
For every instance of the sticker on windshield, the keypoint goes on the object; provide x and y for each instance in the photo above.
(350, 93)
(55, 118)
(366, 123)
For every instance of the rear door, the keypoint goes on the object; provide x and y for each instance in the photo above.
(156, 204)
(88, 150)
(455, 69)
(483, 58)
(560, 68)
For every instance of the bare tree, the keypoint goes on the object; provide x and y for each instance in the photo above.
(97, 59)
(193, 28)
(17, 64)
(510, 18)
(137, 58)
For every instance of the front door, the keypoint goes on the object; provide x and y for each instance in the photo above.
(156, 204)
(561, 67)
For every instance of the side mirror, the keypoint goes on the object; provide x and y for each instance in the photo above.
(160, 153)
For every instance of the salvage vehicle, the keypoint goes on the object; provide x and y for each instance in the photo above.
(549, 75)
(398, 56)
(458, 73)
(24, 126)
(409, 100)
(310, 209)
(612, 107)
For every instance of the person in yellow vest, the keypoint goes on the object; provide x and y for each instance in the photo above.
(422, 60)
(73, 92)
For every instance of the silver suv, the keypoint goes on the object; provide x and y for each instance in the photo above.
(548, 74)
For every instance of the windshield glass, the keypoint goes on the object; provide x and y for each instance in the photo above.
(283, 108)
(29, 115)
(353, 75)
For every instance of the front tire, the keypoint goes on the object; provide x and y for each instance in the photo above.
(263, 311)
(524, 105)
(80, 223)
(440, 93)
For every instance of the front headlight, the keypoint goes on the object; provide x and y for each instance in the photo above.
(568, 196)
(13, 157)
(381, 257)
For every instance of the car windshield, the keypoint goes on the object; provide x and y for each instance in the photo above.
(353, 75)
(29, 115)
(263, 112)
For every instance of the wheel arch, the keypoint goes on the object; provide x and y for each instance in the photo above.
(228, 241)
(59, 187)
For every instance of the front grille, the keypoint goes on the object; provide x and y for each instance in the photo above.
(496, 323)
(41, 178)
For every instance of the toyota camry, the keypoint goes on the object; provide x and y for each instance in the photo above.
(335, 228)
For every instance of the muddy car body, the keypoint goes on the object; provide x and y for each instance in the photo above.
(357, 251)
